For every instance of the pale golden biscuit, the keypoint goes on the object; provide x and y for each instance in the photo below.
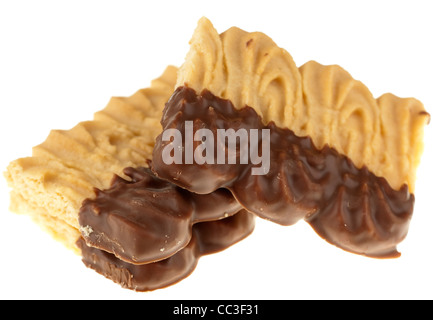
(247, 69)
(63, 170)
(323, 102)
(385, 134)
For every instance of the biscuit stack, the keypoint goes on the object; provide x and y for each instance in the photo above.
(340, 159)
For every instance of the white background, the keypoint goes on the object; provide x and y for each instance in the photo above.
(60, 61)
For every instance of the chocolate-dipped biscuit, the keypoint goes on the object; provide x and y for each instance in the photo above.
(51, 184)
(333, 172)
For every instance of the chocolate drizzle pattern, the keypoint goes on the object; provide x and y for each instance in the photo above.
(207, 237)
(145, 219)
(348, 206)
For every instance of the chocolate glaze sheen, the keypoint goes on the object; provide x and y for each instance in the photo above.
(146, 219)
(349, 207)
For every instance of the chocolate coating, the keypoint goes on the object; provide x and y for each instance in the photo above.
(349, 207)
(146, 219)
(207, 238)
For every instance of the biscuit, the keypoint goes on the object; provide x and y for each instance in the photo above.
(321, 102)
(338, 158)
(90, 189)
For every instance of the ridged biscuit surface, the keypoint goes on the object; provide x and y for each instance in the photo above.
(323, 102)
(63, 170)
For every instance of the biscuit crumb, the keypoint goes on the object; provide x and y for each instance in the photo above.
(86, 231)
